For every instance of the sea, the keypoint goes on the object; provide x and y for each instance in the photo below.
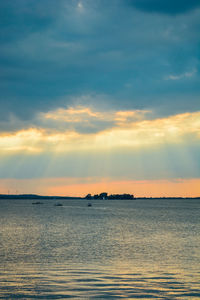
(132, 249)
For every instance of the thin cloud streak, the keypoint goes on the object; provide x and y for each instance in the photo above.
(182, 76)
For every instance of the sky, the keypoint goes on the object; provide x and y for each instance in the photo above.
(100, 96)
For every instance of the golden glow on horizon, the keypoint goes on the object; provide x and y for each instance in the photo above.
(129, 129)
(83, 186)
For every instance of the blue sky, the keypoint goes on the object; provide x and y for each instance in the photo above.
(81, 72)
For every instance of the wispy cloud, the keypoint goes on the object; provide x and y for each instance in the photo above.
(181, 76)
(85, 119)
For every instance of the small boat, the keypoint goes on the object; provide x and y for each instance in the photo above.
(37, 202)
(89, 204)
(58, 204)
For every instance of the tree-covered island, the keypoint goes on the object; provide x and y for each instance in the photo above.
(105, 196)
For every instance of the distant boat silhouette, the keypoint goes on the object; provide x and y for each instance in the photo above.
(89, 204)
(37, 202)
(58, 204)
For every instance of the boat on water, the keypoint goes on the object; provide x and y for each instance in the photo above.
(89, 204)
(58, 204)
(37, 202)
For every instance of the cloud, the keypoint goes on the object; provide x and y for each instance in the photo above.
(87, 130)
(182, 76)
(85, 120)
(53, 52)
(125, 145)
(165, 6)
(95, 89)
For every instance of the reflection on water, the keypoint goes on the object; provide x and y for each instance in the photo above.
(115, 249)
(103, 282)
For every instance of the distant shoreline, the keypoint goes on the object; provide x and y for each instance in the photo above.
(37, 197)
(33, 197)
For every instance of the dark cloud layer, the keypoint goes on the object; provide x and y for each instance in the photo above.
(165, 6)
(53, 53)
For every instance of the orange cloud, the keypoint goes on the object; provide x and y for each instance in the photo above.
(128, 129)
(72, 114)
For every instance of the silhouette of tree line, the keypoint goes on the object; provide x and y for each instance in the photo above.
(109, 197)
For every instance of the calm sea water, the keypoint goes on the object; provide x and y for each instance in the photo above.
(114, 249)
